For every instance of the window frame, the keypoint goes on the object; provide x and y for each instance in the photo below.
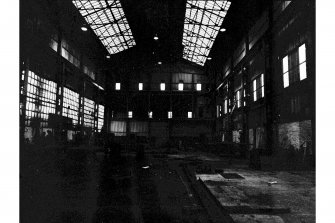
(170, 115)
(189, 114)
(198, 87)
(256, 88)
(239, 98)
(162, 86)
(118, 86)
(289, 76)
(140, 86)
(130, 114)
(225, 106)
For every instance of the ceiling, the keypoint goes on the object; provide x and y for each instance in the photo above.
(165, 18)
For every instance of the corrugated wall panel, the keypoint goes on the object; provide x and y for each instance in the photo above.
(119, 128)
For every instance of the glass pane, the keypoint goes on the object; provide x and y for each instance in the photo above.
(286, 80)
(302, 70)
(180, 87)
(70, 104)
(162, 87)
(302, 53)
(201, 26)
(198, 87)
(107, 20)
(263, 92)
(285, 64)
(89, 112)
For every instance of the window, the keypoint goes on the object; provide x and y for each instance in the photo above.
(225, 106)
(41, 98)
(70, 54)
(130, 114)
(101, 112)
(22, 75)
(54, 42)
(70, 104)
(294, 66)
(238, 98)
(285, 71)
(140, 86)
(239, 53)
(244, 102)
(284, 4)
(89, 72)
(150, 114)
(258, 87)
(218, 111)
(170, 114)
(180, 86)
(119, 128)
(198, 87)
(302, 62)
(189, 114)
(88, 113)
(117, 86)
(162, 86)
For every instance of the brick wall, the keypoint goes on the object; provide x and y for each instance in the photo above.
(294, 134)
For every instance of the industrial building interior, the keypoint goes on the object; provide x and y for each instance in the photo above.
(167, 111)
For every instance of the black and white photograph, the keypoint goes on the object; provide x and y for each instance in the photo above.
(167, 111)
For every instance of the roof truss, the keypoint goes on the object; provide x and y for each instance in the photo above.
(203, 19)
(109, 23)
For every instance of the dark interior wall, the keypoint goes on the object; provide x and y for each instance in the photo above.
(275, 113)
(291, 33)
(152, 75)
(164, 133)
(40, 21)
(295, 104)
(35, 34)
(162, 129)
(44, 28)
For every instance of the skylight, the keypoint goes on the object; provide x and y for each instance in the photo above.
(203, 19)
(109, 23)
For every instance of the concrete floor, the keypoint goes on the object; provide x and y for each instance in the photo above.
(289, 197)
(80, 185)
